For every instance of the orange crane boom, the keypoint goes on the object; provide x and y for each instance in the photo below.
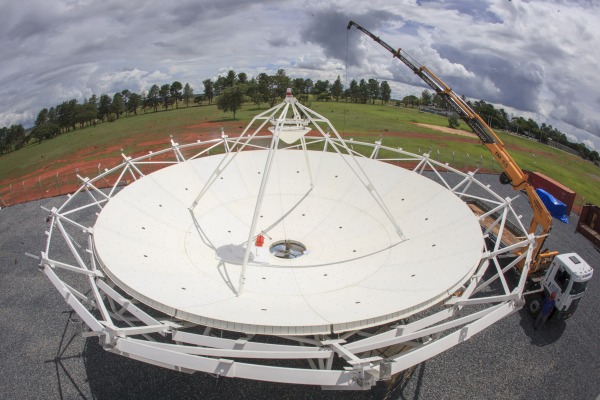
(512, 173)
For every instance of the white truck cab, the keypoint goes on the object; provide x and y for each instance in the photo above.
(567, 278)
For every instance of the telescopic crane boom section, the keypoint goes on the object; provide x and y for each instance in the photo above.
(512, 174)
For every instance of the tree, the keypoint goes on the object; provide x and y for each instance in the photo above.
(92, 110)
(125, 94)
(374, 90)
(488, 113)
(354, 91)
(188, 94)
(242, 78)
(502, 117)
(308, 86)
(65, 113)
(118, 105)
(410, 100)
(12, 138)
(263, 90)
(253, 92)
(153, 97)
(135, 101)
(85, 112)
(452, 121)
(439, 102)
(386, 92)
(279, 84)
(165, 95)
(273, 87)
(45, 131)
(231, 99)
(321, 87)
(208, 90)
(175, 92)
(363, 91)
(4, 148)
(426, 98)
(220, 85)
(230, 79)
(198, 99)
(298, 86)
(42, 117)
(18, 132)
(104, 106)
(52, 115)
(337, 89)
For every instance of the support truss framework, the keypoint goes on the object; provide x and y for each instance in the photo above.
(352, 360)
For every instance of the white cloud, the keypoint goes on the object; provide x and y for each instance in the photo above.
(9, 118)
(535, 55)
(589, 144)
(133, 80)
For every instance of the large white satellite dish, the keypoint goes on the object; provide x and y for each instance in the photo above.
(289, 251)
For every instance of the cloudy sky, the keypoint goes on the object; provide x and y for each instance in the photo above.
(535, 58)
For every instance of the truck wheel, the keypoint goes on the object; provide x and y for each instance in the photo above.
(505, 179)
(534, 304)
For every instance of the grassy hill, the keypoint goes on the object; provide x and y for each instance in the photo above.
(395, 126)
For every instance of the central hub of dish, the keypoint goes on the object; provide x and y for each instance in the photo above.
(288, 249)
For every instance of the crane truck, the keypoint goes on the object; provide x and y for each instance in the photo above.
(562, 276)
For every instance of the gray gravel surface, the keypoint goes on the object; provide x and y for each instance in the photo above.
(43, 356)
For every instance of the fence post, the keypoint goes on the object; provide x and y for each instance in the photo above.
(40, 187)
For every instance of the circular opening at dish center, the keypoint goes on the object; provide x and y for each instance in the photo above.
(288, 249)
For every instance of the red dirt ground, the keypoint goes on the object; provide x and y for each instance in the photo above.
(58, 177)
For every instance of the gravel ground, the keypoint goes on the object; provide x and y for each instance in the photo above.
(44, 356)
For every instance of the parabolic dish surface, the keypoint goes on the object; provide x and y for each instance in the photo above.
(357, 272)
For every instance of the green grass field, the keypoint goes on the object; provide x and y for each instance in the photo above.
(361, 122)
(369, 122)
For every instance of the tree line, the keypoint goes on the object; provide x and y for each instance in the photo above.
(498, 118)
(231, 90)
(234, 89)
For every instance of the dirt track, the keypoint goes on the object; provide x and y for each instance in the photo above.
(58, 177)
(452, 131)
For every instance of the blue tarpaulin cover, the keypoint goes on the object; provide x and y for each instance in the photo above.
(557, 208)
